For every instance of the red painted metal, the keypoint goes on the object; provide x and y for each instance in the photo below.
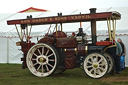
(103, 43)
(70, 52)
(47, 39)
(59, 34)
(70, 62)
(79, 50)
(25, 48)
(64, 19)
(66, 42)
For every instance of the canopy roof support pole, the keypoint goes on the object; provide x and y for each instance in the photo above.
(21, 33)
(110, 29)
(93, 26)
(30, 30)
(80, 24)
(113, 33)
(114, 28)
(18, 32)
(56, 29)
(27, 33)
(61, 28)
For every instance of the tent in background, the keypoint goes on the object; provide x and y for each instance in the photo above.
(10, 53)
(32, 9)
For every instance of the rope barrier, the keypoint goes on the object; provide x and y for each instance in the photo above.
(42, 36)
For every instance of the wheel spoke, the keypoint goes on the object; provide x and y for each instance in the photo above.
(39, 51)
(33, 59)
(50, 65)
(102, 64)
(101, 69)
(47, 52)
(100, 60)
(91, 70)
(50, 55)
(42, 50)
(52, 60)
(89, 62)
(89, 66)
(35, 64)
(91, 58)
(94, 72)
(38, 67)
(98, 71)
(35, 55)
(47, 68)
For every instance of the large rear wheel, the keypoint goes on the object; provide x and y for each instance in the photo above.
(95, 65)
(42, 60)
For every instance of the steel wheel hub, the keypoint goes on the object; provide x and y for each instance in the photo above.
(95, 65)
(42, 60)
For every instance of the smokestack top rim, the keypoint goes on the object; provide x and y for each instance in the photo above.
(93, 9)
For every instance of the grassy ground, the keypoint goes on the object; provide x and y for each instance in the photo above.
(13, 74)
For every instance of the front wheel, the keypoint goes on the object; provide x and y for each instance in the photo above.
(95, 65)
(42, 60)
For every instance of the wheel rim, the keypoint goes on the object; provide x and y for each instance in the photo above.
(95, 65)
(110, 61)
(41, 60)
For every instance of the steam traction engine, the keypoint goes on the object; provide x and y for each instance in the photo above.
(56, 52)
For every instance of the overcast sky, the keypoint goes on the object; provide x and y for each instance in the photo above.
(13, 6)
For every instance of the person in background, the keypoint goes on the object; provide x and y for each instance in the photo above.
(117, 58)
(123, 46)
(123, 50)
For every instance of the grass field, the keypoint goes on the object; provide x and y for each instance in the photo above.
(13, 74)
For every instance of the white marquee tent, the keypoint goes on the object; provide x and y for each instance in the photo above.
(10, 53)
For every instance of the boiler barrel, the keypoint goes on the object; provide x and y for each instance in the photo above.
(82, 50)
